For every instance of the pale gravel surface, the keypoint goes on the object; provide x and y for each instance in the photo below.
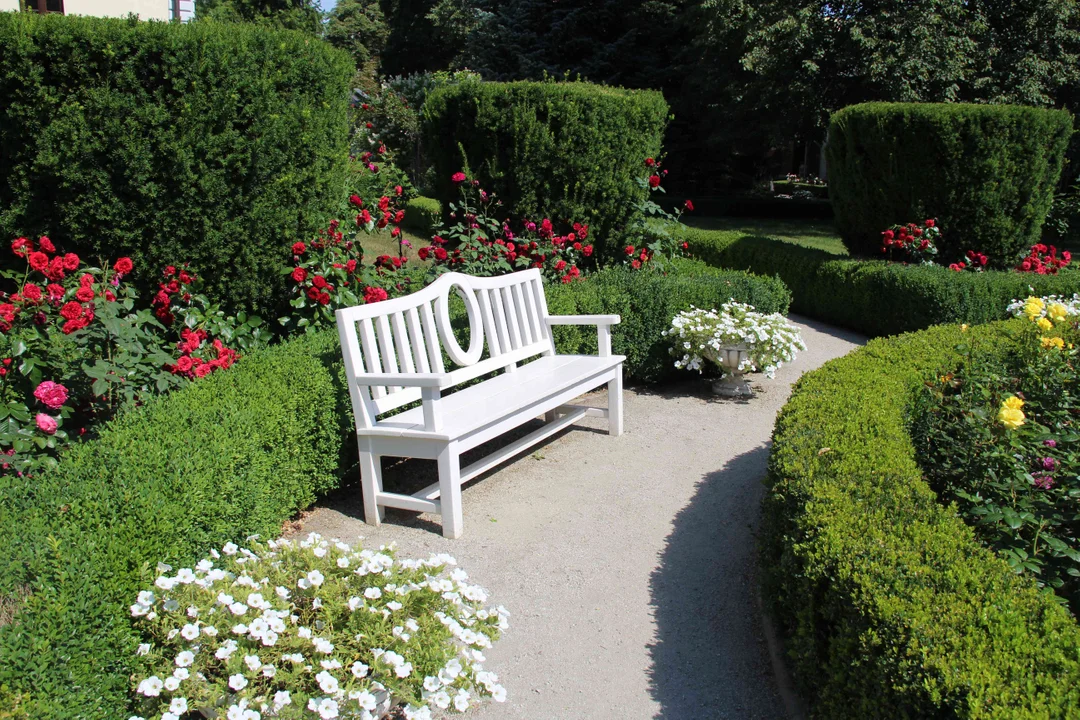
(628, 563)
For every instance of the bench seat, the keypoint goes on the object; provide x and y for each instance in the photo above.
(494, 399)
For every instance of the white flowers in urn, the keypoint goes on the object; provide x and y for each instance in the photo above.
(737, 339)
(289, 630)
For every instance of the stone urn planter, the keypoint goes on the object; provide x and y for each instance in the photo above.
(733, 385)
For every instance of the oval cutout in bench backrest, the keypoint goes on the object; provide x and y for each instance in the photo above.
(409, 335)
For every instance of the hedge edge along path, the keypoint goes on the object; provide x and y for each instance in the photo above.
(873, 296)
(891, 606)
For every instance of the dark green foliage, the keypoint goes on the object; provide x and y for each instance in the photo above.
(236, 453)
(303, 15)
(891, 607)
(569, 151)
(647, 301)
(359, 28)
(986, 173)
(210, 143)
(422, 215)
(875, 297)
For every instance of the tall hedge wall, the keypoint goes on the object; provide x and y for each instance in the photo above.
(216, 144)
(873, 296)
(236, 453)
(571, 151)
(892, 608)
(986, 172)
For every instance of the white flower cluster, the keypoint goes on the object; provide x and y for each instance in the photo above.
(1072, 305)
(314, 629)
(700, 335)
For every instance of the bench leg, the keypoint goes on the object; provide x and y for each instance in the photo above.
(614, 396)
(371, 480)
(549, 416)
(450, 492)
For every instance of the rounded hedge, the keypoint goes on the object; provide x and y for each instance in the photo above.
(215, 144)
(987, 173)
(422, 215)
(569, 151)
(236, 453)
(892, 608)
(872, 296)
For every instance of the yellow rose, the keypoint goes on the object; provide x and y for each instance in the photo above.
(1033, 307)
(1053, 342)
(1013, 403)
(1057, 312)
(1044, 325)
(1011, 418)
(964, 327)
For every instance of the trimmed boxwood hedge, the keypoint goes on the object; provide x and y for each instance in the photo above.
(236, 453)
(647, 301)
(891, 606)
(986, 172)
(873, 296)
(570, 151)
(422, 215)
(215, 144)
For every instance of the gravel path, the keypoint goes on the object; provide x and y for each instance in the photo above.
(628, 564)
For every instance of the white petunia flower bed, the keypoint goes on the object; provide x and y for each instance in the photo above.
(314, 629)
(699, 335)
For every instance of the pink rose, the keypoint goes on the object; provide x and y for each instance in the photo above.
(458, 177)
(53, 395)
(46, 423)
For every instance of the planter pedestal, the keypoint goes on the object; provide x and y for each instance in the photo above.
(733, 385)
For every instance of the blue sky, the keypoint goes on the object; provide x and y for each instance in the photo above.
(328, 4)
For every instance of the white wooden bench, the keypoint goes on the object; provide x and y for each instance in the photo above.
(393, 353)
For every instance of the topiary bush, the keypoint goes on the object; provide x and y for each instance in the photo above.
(647, 301)
(569, 151)
(422, 215)
(236, 453)
(986, 172)
(872, 296)
(215, 144)
(892, 608)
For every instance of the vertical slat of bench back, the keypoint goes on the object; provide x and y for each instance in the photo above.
(407, 335)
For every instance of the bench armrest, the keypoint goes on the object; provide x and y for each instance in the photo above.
(420, 380)
(598, 320)
(603, 325)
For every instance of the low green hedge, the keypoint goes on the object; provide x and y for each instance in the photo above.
(647, 301)
(875, 297)
(422, 215)
(234, 454)
(891, 607)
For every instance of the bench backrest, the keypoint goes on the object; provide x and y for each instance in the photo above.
(409, 335)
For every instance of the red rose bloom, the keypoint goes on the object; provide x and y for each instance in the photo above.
(20, 246)
(929, 223)
(298, 248)
(355, 200)
(350, 266)
(629, 250)
(649, 162)
(689, 204)
(45, 245)
(423, 253)
(636, 264)
(299, 274)
(654, 181)
(560, 265)
(324, 298)
(203, 370)
(123, 266)
(374, 294)
(440, 254)
(184, 364)
(458, 177)
(398, 190)
(587, 250)
(71, 310)
(319, 281)
(313, 293)
(56, 292)
(39, 261)
(84, 294)
(32, 292)
(109, 296)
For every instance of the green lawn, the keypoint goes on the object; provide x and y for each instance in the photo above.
(817, 234)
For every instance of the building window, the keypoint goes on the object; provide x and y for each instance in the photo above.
(45, 6)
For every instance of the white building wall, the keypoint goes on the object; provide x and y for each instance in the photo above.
(9, 5)
(145, 9)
